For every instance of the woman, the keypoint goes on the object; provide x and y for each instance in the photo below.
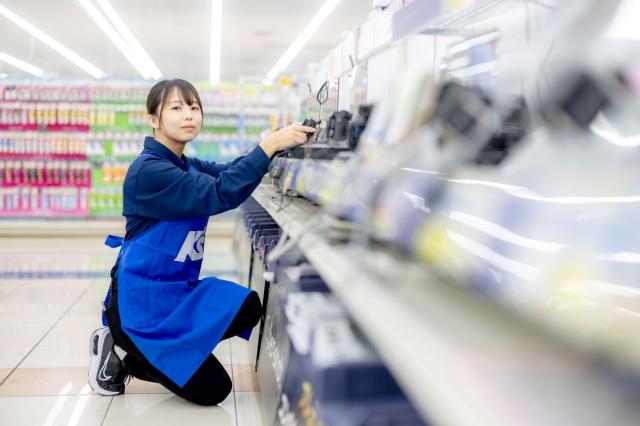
(163, 322)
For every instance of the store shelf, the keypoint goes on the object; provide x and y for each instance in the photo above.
(425, 16)
(422, 17)
(460, 358)
(413, 17)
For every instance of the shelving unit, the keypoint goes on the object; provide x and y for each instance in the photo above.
(427, 17)
(460, 358)
(417, 17)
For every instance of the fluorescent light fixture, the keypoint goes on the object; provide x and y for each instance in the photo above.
(114, 36)
(140, 54)
(31, 69)
(303, 38)
(52, 43)
(215, 48)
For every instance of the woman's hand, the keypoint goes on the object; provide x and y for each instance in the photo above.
(284, 138)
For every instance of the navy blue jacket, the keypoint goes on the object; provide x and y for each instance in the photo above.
(157, 189)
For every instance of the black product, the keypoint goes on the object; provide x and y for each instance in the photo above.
(582, 100)
(287, 153)
(515, 126)
(317, 151)
(339, 125)
(359, 124)
(458, 108)
(309, 122)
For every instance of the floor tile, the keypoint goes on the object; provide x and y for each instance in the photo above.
(219, 244)
(17, 341)
(169, 410)
(8, 287)
(67, 345)
(223, 352)
(19, 256)
(4, 372)
(245, 378)
(46, 382)
(231, 277)
(54, 245)
(85, 410)
(34, 298)
(240, 350)
(67, 381)
(248, 407)
(218, 259)
(28, 313)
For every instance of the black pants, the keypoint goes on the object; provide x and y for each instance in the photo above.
(210, 384)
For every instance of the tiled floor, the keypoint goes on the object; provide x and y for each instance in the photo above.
(50, 294)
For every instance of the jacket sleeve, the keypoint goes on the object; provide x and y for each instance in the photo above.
(211, 168)
(166, 192)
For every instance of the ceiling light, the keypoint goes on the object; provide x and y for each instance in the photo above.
(215, 48)
(52, 43)
(114, 36)
(303, 38)
(146, 61)
(31, 69)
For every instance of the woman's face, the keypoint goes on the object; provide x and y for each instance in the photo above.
(180, 122)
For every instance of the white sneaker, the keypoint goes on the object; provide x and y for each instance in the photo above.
(107, 372)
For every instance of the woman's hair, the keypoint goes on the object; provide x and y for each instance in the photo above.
(160, 92)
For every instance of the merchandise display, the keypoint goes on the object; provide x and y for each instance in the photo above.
(519, 197)
(317, 366)
(435, 178)
(557, 259)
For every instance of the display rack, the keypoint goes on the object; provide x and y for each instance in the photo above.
(460, 358)
(386, 29)
(429, 17)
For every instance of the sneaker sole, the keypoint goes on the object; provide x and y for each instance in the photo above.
(93, 366)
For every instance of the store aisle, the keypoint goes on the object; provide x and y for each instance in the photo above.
(50, 294)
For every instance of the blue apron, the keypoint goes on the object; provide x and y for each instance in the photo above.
(174, 318)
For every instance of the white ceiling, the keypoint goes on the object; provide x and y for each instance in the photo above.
(175, 33)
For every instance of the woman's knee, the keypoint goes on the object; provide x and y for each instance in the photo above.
(253, 307)
(213, 395)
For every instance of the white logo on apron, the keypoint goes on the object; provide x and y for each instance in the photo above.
(193, 247)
